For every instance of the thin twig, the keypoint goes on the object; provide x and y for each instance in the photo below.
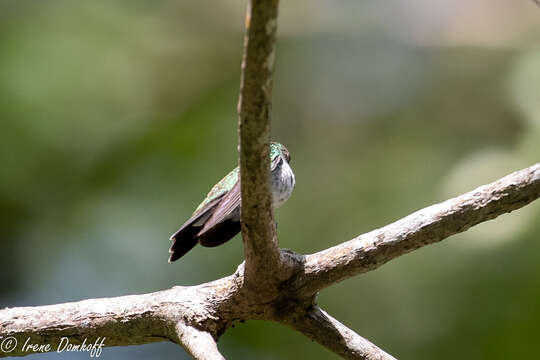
(199, 344)
(327, 331)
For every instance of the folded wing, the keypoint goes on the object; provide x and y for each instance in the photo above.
(224, 223)
(216, 223)
(185, 238)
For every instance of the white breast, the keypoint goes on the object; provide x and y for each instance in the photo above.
(282, 183)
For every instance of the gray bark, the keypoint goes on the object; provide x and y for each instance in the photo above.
(276, 285)
(196, 316)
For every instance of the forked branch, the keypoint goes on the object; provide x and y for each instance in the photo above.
(196, 316)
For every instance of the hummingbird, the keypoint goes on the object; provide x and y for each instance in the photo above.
(217, 219)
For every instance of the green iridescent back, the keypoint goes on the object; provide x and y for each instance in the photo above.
(275, 150)
(220, 188)
(227, 183)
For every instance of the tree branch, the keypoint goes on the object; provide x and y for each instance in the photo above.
(327, 331)
(116, 319)
(194, 316)
(258, 230)
(199, 344)
(276, 285)
(427, 226)
(184, 315)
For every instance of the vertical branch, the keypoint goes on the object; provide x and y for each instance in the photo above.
(258, 229)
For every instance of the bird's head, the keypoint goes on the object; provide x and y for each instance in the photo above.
(278, 149)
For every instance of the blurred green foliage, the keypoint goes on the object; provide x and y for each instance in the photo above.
(116, 117)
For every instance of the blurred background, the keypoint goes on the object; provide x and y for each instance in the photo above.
(116, 118)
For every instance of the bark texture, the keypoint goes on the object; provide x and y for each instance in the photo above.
(258, 230)
(196, 316)
(272, 284)
(427, 226)
(327, 331)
